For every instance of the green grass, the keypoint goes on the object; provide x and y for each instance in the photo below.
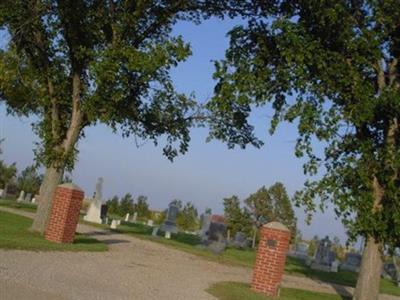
(242, 291)
(232, 256)
(15, 234)
(19, 205)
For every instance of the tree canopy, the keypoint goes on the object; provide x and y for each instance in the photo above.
(74, 64)
(331, 67)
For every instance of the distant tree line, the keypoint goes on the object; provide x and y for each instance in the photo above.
(128, 205)
(29, 180)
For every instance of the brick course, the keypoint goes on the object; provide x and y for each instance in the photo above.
(64, 214)
(271, 257)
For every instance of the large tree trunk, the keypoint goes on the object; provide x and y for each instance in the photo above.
(368, 281)
(52, 178)
(370, 272)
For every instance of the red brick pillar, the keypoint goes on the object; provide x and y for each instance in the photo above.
(64, 213)
(271, 257)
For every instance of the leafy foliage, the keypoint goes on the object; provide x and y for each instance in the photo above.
(236, 218)
(272, 204)
(332, 68)
(142, 206)
(29, 180)
(7, 172)
(187, 218)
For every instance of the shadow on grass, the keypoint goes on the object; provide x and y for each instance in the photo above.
(114, 241)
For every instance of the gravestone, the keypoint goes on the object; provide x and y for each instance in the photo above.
(169, 224)
(134, 218)
(155, 231)
(28, 197)
(150, 222)
(103, 213)
(335, 266)
(168, 235)
(352, 262)
(94, 211)
(205, 225)
(114, 224)
(2, 194)
(127, 217)
(216, 242)
(323, 256)
(216, 232)
(21, 196)
(240, 240)
(118, 222)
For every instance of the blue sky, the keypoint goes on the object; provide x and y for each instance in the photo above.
(207, 173)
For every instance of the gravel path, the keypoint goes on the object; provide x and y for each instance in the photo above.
(131, 269)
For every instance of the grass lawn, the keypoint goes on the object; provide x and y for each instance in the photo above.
(20, 205)
(242, 291)
(14, 234)
(186, 242)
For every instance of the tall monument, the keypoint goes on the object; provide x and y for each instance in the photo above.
(94, 211)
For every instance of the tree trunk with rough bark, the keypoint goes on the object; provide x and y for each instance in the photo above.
(52, 178)
(368, 281)
(370, 272)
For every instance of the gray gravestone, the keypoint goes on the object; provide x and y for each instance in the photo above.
(216, 232)
(240, 240)
(205, 225)
(21, 196)
(169, 224)
(134, 218)
(352, 262)
(28, 197)
(155, 231)
(323, 256)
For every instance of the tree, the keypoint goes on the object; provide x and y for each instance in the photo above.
(236, 218)
(272, 204)
(126, 205)
(29, 180)
(187, 218)
(331, 67)
(77, 63)
(113, 205)
(7, 172)
(260, 206)
(142, 207)
(283, 210)
(178, 203)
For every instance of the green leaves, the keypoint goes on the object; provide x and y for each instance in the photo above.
(331, 68)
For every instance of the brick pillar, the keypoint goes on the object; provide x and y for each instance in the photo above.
(64, 216)
(271, 257)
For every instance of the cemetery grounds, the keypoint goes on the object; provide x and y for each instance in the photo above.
(135, 255)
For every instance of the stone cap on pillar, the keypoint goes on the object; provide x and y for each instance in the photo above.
(276, 225)
(70, 186)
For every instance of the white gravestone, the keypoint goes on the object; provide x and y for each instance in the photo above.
(93, 213)
(21, 196)
(134, 217)
(150, 222)
(118, 222)
(335, 266)
(114, 224)
(167, 235)
(127, 217)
